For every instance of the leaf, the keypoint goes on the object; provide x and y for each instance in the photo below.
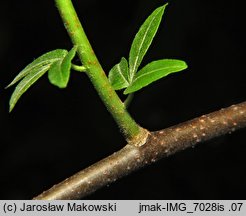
(32, 72)
(154, 71)
(46, 59)
(143, 39)
(25, 83)
(59, 71)
(118, 75)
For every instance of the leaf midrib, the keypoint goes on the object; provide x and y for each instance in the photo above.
(140, 47)
(34, 76)
(28, 70)
(153, 71)
(121, 74)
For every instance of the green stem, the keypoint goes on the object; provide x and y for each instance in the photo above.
(80, 68)
(128, 100)
(95, 72)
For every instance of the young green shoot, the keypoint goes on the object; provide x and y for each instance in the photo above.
(123, 76)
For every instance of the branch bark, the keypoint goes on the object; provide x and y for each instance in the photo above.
(159, 144)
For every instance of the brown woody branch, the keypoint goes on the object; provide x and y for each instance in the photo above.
(159, 144)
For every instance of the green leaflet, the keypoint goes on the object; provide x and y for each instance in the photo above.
(154, 71)
(25, 83)
(58, 61)
(46, 59)
(143, 39)
(119, 75)
(59, 71)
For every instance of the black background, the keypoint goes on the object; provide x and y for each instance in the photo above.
(54, 133)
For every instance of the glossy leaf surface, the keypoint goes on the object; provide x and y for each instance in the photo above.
(154, 71)
(59, 72)
(45, 59)
(143, 40)
(119, 76)
(25, 84)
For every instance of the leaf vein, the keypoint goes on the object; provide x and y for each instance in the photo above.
(121, 74)
(153, 71)
(141, 44)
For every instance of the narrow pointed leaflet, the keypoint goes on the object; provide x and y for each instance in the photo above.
(57, 61)
(154, 71)
(143, 40)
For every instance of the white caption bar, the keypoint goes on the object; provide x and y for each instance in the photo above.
(124, 207)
